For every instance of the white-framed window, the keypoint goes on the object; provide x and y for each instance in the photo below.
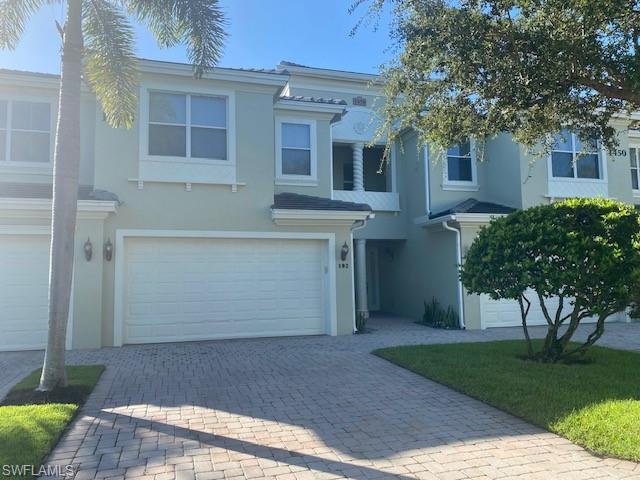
(460, 170)
(296, 151)
(571, 158)
(25, 132)
(187, 126)
(634, 159)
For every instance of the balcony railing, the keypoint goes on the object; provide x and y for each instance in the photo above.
(378, 201)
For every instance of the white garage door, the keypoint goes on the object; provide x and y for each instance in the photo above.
(24, 274)
(207, 288)
(506, 313)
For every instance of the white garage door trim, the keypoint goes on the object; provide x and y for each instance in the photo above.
(40, 230)
(122, 234)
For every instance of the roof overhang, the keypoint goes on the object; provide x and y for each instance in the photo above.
(282, 216)
(41, 208)
(461, 218)
(217, 73)
(325, 73)
(302, 106)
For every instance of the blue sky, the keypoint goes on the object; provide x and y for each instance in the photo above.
(261, 33)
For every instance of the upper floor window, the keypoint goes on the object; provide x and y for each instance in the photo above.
(634, 154)
(296, 150)
(460, 168)
(189, 126)
(573, 158)
(25, 131)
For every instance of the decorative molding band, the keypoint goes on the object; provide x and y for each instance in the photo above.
(317, 217)
(41, 208)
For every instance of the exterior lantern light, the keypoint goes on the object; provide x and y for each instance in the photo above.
(88, 249)
(344, 251)
(108, 250)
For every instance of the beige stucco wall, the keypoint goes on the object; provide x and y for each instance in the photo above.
(503, 178)
(168, 206)
(423, 265)
(471, 301)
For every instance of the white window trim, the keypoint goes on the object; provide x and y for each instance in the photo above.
(28, 167)
(602, 163)
(459, 184)
(636, 145)
(304, 180)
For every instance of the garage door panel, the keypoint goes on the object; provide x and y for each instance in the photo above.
(24, 278)
(191, 289)
(506, 313)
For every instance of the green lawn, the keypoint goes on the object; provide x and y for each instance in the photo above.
(594, 402)
(31, 425)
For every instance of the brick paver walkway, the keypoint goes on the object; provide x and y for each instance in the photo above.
(298, 408)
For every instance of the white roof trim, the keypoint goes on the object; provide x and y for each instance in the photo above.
(217, 73)
(41, 208)
(330, 74)
(480, 218)
(302, 106)
(285, 216)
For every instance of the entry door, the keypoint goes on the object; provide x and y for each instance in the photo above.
(373, 279)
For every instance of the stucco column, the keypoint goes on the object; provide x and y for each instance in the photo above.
(358, 167)
(361, 276)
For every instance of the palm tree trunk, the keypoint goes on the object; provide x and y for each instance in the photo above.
(66, 166)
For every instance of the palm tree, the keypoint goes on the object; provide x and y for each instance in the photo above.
(98, 40)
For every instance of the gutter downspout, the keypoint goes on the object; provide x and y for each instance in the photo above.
(357, 225)
(446, 226)
(427, 186)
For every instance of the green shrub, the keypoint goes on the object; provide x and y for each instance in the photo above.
(584, 253)
(437, 317)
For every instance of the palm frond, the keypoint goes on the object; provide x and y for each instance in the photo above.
(110, 64)
(199, 24)
(14, 15)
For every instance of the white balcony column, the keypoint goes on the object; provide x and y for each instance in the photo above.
(361, 276)
(358, 167)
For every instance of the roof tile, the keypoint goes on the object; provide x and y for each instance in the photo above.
(295, 201)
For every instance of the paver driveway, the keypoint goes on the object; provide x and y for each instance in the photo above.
(297, 408)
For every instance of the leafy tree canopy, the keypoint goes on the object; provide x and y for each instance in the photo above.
(530, 67)
(583, 253)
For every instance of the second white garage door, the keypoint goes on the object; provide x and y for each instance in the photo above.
(506, 313)
(24, 278)
(206, 288)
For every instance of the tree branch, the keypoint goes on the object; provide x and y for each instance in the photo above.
(616, 92)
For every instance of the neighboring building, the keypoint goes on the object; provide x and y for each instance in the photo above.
(251, 203)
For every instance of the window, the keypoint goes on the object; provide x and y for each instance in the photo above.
(296, 150)
(460, 167)
(572, 158)
(25, 131)
(189, 126)
(634, 154)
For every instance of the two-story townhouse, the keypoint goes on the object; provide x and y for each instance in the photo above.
(253, 203)
(468, 185)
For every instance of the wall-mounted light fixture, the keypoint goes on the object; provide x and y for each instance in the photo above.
(344, 251)
(88, 249)
(108, 250)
